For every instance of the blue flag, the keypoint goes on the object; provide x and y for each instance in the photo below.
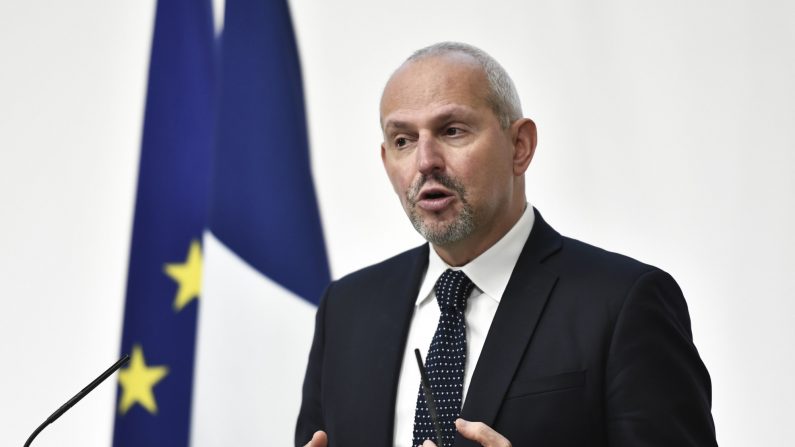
(164, 279)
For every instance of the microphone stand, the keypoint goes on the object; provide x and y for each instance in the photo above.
(69, 404)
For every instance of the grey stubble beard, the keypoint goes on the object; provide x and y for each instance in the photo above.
(462, 226)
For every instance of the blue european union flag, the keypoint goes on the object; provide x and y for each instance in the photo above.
(163, 284)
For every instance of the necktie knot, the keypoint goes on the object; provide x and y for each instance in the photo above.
(452, 290)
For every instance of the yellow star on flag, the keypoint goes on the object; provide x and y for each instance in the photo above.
(137, 381)
(188, 276)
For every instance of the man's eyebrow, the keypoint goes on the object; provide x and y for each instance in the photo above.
(445, 115)
(451, 115)
(396, 125)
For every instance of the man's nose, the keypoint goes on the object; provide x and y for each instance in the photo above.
(430, 158)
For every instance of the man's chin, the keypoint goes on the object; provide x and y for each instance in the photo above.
(431, 222)
(441, 234)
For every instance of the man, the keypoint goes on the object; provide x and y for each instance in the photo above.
(536, 340)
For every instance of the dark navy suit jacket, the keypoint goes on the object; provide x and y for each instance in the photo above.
(587, 348)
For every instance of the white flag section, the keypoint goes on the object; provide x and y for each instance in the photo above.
(252, 347)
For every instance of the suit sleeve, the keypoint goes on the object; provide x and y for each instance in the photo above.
(658, 392)
(310, 417)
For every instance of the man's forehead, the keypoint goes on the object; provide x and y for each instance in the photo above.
(433, 81)
(422, 72)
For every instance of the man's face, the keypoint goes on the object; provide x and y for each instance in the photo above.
(448, 158)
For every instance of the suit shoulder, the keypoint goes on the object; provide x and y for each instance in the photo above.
(599, 282)
(573, 258)
(599, 270)
(582, 257)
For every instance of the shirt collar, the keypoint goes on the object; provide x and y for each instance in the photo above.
(491, 271)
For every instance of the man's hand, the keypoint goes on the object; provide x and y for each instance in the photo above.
(478, 432)
(319, 439)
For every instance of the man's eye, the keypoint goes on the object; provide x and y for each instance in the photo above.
(400, 142)
(452, 131)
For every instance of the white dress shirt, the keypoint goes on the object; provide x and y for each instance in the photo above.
(490, 273)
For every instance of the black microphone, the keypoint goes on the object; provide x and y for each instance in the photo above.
(426, 389)
(78, 396)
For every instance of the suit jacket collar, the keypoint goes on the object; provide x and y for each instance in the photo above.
(512, 327)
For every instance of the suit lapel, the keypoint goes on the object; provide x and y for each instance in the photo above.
(391, 315)
(512, 328)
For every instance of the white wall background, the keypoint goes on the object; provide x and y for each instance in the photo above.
(666, 133)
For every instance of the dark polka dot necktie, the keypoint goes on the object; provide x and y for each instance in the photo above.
(445, 360)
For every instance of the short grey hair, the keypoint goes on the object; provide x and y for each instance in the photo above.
(502, 95)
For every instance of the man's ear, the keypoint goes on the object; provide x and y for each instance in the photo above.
(525, 138)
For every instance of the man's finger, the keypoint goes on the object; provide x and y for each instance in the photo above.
(428, 443)
(481, 433)
(319, 439)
